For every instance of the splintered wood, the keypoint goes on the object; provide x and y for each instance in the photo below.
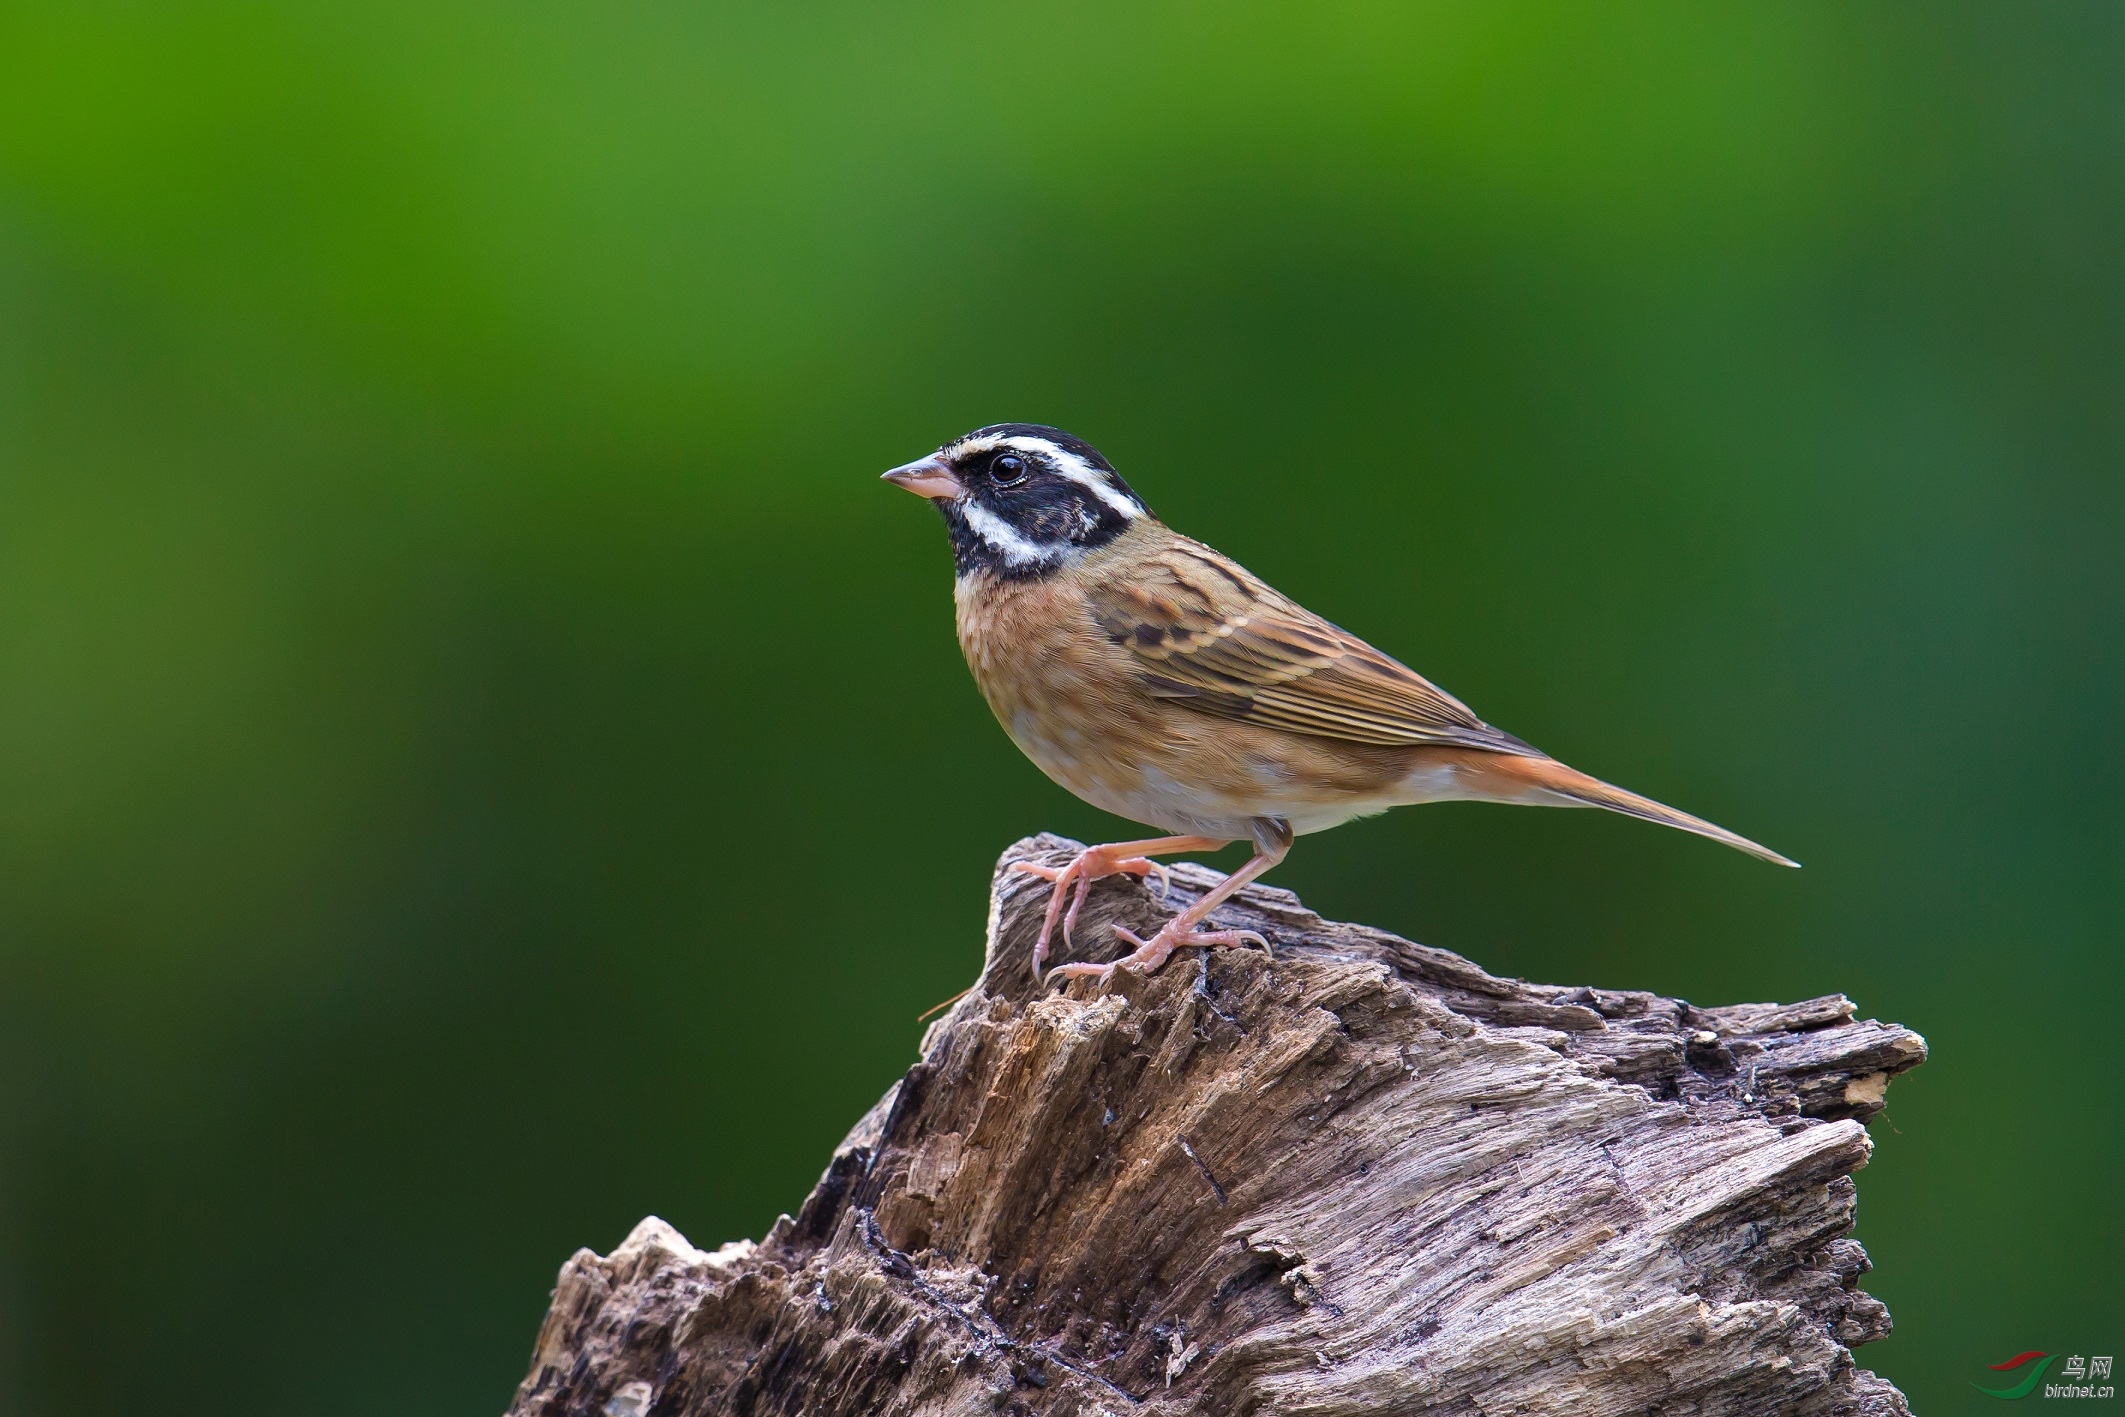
(1363, 1176)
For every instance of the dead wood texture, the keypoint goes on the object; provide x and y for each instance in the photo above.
(1361, 1177)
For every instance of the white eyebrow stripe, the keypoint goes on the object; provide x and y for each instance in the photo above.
(1004, 538)
(1075, 468)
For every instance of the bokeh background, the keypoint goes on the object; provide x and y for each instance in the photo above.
(482, 759)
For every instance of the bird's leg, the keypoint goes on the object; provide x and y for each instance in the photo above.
(1121, 858)
(1272, 839)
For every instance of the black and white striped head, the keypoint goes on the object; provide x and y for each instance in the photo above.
(1021, 499)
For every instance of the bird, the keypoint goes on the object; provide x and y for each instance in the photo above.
(1161, 681)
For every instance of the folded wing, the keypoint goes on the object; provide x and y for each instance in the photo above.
(1209, 635)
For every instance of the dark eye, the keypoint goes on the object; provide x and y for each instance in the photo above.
(1007, 469)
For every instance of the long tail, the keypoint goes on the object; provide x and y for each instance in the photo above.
(1545, 780)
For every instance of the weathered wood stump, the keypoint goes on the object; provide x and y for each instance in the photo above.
(1363, 1176)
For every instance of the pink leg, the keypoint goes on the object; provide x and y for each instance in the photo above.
(1272, 842)
(1094, 862)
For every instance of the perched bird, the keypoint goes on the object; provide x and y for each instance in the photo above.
(1162, 682)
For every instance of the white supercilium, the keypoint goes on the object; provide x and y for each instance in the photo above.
(1064, 463)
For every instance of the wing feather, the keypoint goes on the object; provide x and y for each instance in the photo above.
(1210, 635)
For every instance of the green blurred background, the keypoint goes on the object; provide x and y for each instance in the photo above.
(449, 618)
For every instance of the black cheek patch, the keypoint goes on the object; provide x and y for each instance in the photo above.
(1050, 522)
(1051, 512)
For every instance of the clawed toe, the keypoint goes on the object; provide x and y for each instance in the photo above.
(1089, 865)
(1076, 869)
(1156, 950)
(1207, 938)
(1103, 972)
(1153, 868)
(1149, 956)
(1131, 858)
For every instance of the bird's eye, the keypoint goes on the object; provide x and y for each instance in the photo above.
(1007, 469)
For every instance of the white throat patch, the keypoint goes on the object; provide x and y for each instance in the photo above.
(1004, 540)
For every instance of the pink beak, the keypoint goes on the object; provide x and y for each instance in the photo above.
(927, 477)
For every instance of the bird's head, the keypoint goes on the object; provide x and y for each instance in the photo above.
(1022, 499)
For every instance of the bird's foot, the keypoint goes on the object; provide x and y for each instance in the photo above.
(1092, 864)
(1150, 954)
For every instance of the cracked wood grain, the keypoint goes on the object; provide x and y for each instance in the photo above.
(1363, 1176)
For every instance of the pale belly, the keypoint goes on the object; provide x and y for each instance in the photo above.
(1215, 779)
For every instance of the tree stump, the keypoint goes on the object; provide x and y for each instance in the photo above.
(1362, 1176)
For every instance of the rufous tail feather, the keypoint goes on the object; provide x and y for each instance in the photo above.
(1569, 787)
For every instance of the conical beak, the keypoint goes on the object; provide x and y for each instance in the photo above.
(926, 477)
